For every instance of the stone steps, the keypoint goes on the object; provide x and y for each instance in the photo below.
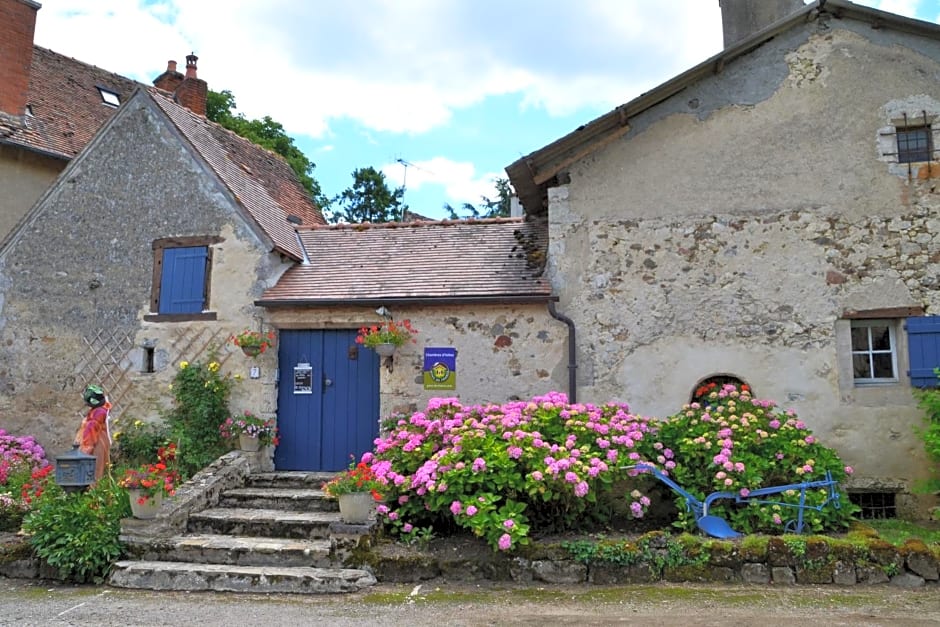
(296, 499)
(238, 531)
(238, 551)
(159, 575)
(264, 523)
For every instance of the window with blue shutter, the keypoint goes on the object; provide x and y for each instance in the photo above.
(183, 280)
(923, 340)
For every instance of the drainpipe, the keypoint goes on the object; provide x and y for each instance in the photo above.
(572, 353)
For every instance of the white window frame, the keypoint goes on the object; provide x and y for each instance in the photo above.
(869, 352)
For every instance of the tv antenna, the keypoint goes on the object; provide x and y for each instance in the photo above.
(406, 165)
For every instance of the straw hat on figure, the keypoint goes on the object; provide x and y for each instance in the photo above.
(94, 435)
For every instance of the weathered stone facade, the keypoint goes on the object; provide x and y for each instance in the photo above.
(737, 222)
(503, 351)
(76, 283)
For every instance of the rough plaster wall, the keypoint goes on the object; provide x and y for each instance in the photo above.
(730, 239)
(85, 268)
(24, 176)
(503, 351)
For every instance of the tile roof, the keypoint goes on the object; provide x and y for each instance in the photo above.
(67, 109)
(261, 180)
(498, 259)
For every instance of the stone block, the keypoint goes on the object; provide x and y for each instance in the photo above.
(559, 571)
(782, 575)
(755, 573)
(908, 581)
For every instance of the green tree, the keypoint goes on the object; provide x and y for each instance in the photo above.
(498, 207)
(370, 199)
(220, 108)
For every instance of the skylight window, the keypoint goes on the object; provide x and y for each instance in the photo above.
(109, 97)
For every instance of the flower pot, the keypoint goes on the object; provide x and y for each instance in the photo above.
(355, 508)
(251, 351)
(385, 350)
(249, 443)
(150, 506)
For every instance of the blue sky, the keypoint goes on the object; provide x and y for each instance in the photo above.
(457, 89)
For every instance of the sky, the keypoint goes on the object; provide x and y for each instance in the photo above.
(439, 95)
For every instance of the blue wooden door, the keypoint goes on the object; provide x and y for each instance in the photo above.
(328, 400)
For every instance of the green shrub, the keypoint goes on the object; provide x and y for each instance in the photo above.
(138, 442)
(201, 393)
(78, 533)
(733, 443)
(929, 401)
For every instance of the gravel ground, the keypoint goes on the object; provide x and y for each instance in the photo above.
(24, 602)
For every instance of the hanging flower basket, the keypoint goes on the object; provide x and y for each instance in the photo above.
(384, 338)
(253, 343)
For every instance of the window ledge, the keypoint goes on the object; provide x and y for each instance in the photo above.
(182, 317)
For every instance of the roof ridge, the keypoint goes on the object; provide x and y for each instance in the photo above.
(365, 226)
(90, 65)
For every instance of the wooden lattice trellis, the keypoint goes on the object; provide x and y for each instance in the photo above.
(109, 362)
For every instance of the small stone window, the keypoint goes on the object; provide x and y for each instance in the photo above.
(874, 505)
(915, 143)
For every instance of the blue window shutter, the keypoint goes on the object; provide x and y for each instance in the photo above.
(183, 281)
(923, 342)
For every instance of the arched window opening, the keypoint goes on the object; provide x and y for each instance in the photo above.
(714, 383)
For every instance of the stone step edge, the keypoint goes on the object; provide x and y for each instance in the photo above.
(187, 576)
(276, 493)
(248, 514)
(235, 542)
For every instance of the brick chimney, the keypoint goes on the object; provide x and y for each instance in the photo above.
(169, 80)
(192, 92)
(17, 25)
(742, 18)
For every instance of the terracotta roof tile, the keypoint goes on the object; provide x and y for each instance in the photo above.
(467, 260)
(263, 183)
(67, 109)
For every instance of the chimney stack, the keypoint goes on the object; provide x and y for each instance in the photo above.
(742, 18)
(17, 25)
(189, 91)
(193, 91)
(169, 80)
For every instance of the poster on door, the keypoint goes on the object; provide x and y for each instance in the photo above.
(440, 368)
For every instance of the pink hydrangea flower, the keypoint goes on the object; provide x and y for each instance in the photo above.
(456, 507)
(472, 510)
(505, 541)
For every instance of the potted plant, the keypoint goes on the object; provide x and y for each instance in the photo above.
(356, 489)
(148, 484)
(253, 343)
(252, 431)
(385, 337)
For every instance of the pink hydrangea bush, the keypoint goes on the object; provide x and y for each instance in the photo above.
(731, 442)
(20, 458)
(499, 470)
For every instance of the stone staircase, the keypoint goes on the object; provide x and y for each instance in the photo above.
(241, 531)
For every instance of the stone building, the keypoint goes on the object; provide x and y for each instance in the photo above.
(769, 216)
(148, 250)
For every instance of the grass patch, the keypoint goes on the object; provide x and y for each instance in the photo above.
(897, 531)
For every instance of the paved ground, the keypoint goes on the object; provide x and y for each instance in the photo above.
(443, 604)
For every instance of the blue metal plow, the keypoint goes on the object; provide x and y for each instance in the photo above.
(718, 527)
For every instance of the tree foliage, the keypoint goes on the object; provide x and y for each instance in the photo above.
(370, 199)
(267, 133)
(498, 207)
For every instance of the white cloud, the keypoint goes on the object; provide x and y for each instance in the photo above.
(460, 180)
